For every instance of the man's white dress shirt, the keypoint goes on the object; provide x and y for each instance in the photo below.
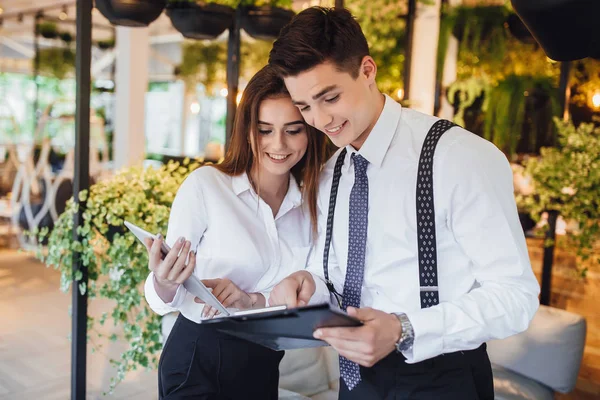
(236, 236)
(486, 285)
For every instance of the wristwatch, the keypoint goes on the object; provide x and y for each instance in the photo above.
(407, 337)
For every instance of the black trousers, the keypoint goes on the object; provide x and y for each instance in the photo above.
(464, 375)
(200, 363)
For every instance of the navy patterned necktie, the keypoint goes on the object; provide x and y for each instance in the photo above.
(357, 243)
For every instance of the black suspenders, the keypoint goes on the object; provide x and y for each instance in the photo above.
(428, 277)
(337, 173)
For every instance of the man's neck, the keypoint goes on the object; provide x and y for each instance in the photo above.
(379, 100)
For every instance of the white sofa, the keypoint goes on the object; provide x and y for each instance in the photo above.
(309, 374)
(542, 360)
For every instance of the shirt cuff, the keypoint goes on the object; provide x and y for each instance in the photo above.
(179, 297)
(154, 300)
(428, 326)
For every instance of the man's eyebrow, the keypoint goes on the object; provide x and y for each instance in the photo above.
(324, 92)
(316, 96)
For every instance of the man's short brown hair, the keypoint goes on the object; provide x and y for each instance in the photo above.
(318, 35)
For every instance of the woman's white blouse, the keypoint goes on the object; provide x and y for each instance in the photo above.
(235, 235)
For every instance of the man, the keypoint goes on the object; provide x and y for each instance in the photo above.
(395, 202)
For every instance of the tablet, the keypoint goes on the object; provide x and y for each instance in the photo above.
(192, 284)
(142, 234)
(285, 329)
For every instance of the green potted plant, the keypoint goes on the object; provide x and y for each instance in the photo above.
(115, 260)
(133, 13)
(566, 179)
(481, 25)
(203, 63)
(201, 20)
(514, 107)
(465, 94)
(386, 34)
(253, 56)
(57, 61)
(263, 19)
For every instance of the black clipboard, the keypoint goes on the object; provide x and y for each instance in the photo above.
(284, 329)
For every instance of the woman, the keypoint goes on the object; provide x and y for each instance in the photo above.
(241, 227)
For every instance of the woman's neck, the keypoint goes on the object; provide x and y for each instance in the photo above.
(271, 188)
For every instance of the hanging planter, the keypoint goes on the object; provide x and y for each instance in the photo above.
(518, 29)
(48, 30)
(567, 30)
(478, 24)
(66, 37)
(133, 13)
(57, 62)
(265, 22)
(197, 21)
(106, 44)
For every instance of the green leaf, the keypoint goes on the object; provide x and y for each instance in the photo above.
(145, 198)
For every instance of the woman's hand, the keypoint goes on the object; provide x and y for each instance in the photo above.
(229, 295)
(173, 270)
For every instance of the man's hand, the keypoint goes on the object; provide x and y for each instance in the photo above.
(294, 291)
(367, 344)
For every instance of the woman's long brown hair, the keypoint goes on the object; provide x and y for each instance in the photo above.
(241, 154)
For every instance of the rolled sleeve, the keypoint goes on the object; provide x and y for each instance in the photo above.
(156, 303)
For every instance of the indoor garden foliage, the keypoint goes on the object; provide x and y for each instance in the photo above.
(116, 261)
(506, 88)
(566, 179)
(384, 27)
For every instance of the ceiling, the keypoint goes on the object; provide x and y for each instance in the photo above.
(17, 37)
(102, 29)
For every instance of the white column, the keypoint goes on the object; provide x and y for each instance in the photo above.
(448, 78)
(423, 58)
(449, 74)
(129, 145)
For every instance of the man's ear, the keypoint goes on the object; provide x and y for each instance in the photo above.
(368, 69)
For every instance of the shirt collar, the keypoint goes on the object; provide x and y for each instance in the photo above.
(378, 142)
(241, 183)
(293, 195)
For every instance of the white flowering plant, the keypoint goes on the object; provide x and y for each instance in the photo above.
(116, 262)
(567, 179)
